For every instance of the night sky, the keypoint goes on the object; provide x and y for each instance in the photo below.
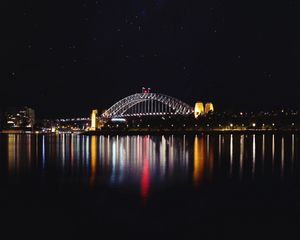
(66, 57)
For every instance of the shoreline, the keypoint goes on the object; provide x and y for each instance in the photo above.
(157, 132)
(187, 132)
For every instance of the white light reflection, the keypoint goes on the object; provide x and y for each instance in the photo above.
(185, 162)
(77, 151)
(293, 151)
(58, 144)
(108, 152)
(43, 152)
(273, 151)
(162, 157)
(87, 152)
(171, 155)
(122, 159)
(63, 150)
(114, 161)
(231, 154)
(128, 154)
(263, 151)
(253, 154)
(220, 147)
(242, 146)
(282, 156)
(71, 151)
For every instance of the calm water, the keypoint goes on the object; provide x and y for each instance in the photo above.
(166, 185)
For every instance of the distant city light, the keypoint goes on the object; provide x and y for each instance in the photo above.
(118, 120)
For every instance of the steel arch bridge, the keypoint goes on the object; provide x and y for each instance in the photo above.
(147, 104)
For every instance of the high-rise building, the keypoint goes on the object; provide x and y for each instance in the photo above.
(199, 109)
(22, 117)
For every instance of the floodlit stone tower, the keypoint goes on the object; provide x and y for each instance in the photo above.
(94, 120)
(209, 107)
(199, 109)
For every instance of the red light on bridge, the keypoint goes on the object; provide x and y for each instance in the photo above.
(145, 90)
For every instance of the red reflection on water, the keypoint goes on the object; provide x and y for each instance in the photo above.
(145, 172)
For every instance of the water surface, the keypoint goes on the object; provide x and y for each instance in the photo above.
(172, 184)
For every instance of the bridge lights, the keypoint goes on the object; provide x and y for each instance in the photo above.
(146, 90)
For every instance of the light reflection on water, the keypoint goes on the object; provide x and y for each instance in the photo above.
(148, 162)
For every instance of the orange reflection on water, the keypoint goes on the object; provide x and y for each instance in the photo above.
(231, 154)
(11, 152)
(282, 156)
(93, 160)
(198, 159)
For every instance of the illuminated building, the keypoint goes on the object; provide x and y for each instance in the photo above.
(23, 117)
(209, 107)
(94, 120)
(199, 109)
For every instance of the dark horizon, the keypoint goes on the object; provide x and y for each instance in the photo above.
(65, 59)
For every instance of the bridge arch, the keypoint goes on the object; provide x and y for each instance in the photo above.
(151, 104)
